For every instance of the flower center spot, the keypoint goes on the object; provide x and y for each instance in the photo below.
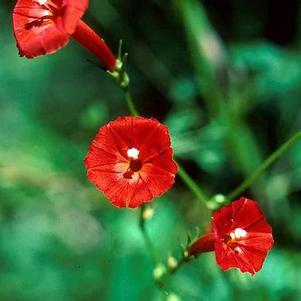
(135, 165)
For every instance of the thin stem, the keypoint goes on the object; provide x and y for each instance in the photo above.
(185, 258)
(130, 103)
(199, 193)
(147, 240)
(269, 161)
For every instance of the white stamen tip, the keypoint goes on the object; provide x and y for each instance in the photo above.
(238, 233)
(42, 2)
(133, 153)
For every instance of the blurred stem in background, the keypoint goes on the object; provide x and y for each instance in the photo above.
(207, 53)
(209, 58)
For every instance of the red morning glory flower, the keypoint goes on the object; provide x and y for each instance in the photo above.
(240, 237)
(130, 161)
(44, 26)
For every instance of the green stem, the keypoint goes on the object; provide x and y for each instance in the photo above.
(147, 240)
(130, 103)
(199, 193)
(185, 258)
(269, 161)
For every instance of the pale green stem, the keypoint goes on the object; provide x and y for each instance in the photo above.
(257, 172)
(199, 193)
(130, 103)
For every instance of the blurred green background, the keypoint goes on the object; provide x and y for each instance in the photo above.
(225, 76)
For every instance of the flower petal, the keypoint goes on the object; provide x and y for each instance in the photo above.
(158, 180)
(258, 241)
(245, 213)
(73, 12)
(129, 194)
(222, 221)
(245, 259)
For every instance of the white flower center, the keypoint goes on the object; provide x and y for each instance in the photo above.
(238, 233)
(133, 153)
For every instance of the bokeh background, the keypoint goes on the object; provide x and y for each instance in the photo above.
(225, 76)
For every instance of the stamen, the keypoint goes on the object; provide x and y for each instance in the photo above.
(48, 4)
(42, 2)
(237, 250)
(133, 153)
(238, 233)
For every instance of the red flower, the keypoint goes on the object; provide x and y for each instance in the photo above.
(130, 161)
(44, 26)
(240, 237)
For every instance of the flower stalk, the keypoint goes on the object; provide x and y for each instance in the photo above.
(198, 192)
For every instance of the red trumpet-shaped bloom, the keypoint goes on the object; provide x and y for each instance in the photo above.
(130, 161)
(240, 237)
(44, 26)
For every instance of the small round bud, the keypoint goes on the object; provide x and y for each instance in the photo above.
(219, 198)
(172, 263)
(159, 271)
(216, 201)
(148, 213)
